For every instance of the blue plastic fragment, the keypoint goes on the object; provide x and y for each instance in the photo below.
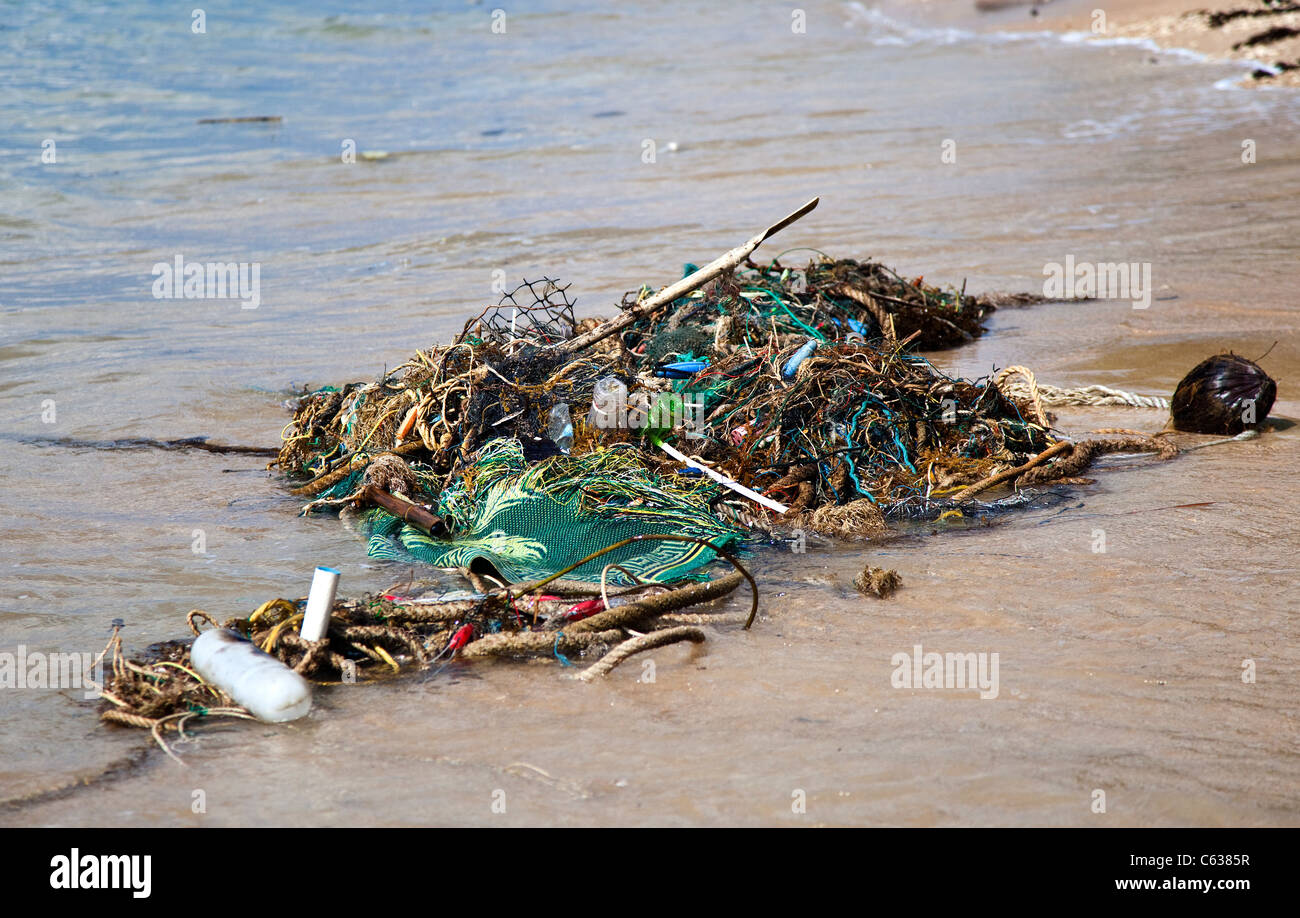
(682, 369)
(792, 365)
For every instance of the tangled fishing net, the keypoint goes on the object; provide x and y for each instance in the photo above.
(583, 474)
(803, 386)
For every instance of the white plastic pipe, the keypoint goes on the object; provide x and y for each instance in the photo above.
(258, 681)
(723, 479)
(320, 602)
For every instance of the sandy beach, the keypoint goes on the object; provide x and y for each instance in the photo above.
(1266, 35)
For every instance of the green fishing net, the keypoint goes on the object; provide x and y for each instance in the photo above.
(530, 521)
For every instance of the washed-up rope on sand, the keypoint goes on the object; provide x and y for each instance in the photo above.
(638, 644)
(161, 692)
(1027, 388)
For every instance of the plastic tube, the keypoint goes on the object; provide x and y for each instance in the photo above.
(258, 681)
(723, 479)
(320, 601)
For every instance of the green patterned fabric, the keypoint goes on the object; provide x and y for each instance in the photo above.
(531, 521)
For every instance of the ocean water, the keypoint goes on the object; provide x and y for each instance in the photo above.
(607, 147)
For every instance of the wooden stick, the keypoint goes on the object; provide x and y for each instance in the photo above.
(997, 479)
(682, 287)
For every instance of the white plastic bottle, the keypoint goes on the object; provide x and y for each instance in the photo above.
(270, 690)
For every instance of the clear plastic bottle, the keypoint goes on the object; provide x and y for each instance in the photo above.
(608, 404)
(559, 427)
